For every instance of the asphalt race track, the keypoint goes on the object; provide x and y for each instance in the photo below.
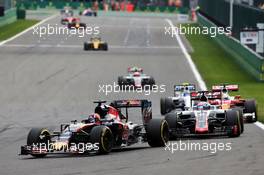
(51, 80)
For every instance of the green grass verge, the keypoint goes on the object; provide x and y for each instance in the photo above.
(217, 66)
(14, 28)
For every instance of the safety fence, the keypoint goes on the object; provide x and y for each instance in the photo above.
(244, 16)
(247, 59)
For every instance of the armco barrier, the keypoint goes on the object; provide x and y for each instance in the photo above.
(247, 59)
(10, 16)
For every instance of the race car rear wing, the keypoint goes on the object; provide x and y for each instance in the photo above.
(182, 87)
(231, 87)
(130, 69)
(209, 95)
(145, 106)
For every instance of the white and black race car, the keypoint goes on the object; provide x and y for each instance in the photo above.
(180, 101)
(204, 119)
(136, 78)
(88, 12)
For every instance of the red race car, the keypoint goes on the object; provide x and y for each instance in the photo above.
(69, 19)
(100, 132)
(248, 107)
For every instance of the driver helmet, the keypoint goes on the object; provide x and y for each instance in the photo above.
(93, 118)
(136, 74)
(203, 106)
(225, 95)
(102, 110)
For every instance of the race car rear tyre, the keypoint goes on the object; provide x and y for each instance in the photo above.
(120, 81)
(37, 136)
(251, 107)
(69, 25)
(152, 81)
(102, 136)
(95, 14)
(233, 122)
(87, 46)
(83, 25)
(240, 112)
(172, 122)
(166, 105)
(157, 132)
(241, 119)
(105, 46)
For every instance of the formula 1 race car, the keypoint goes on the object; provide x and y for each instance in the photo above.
(96, 44)
(248, 107)
(204, 119)
(66, 20)
(88, 12)
(67, 11)
(180, 101)
(76, 25)
(136, 78)
(100, 132)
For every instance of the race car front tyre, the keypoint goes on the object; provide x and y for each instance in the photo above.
(233, 123)
(38, 137)
(157, 132)
(251, 107)
(166, 105)
(102, 136)
(172, 122)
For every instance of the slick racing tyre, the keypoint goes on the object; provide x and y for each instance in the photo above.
(102, 136)
(241, 118)
(151, 81)
(104, 46)
(87, 46)
(166, 105)
(157, 132)
(233, 123)
(251, 107)
(83, 25)
(171, 119)
(37, 137)
(120, 81)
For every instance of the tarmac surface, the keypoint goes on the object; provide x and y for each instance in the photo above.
(50, 80)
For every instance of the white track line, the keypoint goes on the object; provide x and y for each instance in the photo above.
(148, 33)
(189, 59)
(194, 68)
(259, 124)
(128, 31)
(28, 29)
